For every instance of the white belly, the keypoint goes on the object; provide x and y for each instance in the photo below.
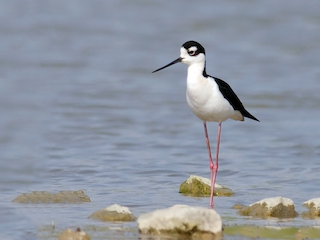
(206, 101)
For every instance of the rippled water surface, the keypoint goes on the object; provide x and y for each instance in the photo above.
(80, 108)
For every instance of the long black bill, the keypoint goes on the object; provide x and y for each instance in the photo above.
(174, 62)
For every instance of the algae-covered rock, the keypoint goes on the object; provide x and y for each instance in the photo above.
(114, 212)
(196, 222)
(270, 232)
(238, 206)
(314, 208)
(278, 207)
(47, 197)
(197, 186)
(71, 235)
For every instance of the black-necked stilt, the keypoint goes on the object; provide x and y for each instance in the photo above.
(209, 98)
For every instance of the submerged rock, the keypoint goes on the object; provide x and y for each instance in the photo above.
(278, 207)
(270, 232)
(114, 212)
(314, 208)
(47, 197)
(197, 222)
(71, 235)
(238, 206)
(198, 186)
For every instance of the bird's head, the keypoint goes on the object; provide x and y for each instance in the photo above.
(191, 53)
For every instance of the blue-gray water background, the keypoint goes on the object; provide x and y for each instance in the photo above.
(80, 109)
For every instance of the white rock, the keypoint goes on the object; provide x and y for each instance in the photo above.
(314, 202)
(204, 180)
(273, 202)
(180, 219)
(118, 208)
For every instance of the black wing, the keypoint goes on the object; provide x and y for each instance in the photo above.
(233, 99)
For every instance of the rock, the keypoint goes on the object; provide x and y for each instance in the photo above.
(47, 197)
(198, 186)
(278, 231)
(278, 207)
(238, 206)
(197, 222)
(114, 212)
(71, 235)
(314, 208)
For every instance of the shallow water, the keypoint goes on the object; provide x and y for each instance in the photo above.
(80, 108)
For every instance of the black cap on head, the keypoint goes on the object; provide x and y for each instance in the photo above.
(199, 47)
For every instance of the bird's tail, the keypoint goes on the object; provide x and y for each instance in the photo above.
(245, 113)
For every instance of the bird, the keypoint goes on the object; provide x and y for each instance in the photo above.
(209, 98)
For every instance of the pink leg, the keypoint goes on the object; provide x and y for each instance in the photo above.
(213, 167)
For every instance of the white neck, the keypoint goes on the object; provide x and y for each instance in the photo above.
(195, 73)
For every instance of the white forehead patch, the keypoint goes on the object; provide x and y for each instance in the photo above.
(193, 49)
(183, 51)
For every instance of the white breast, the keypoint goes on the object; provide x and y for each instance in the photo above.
(205, 100)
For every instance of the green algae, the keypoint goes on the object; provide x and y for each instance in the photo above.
(112, 216)
(271, 232)
(230, 232)
(66, 197)
(262, 211)
(200, 189)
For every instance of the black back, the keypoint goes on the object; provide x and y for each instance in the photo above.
(233, 99)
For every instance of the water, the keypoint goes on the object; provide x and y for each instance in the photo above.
(80, 108)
